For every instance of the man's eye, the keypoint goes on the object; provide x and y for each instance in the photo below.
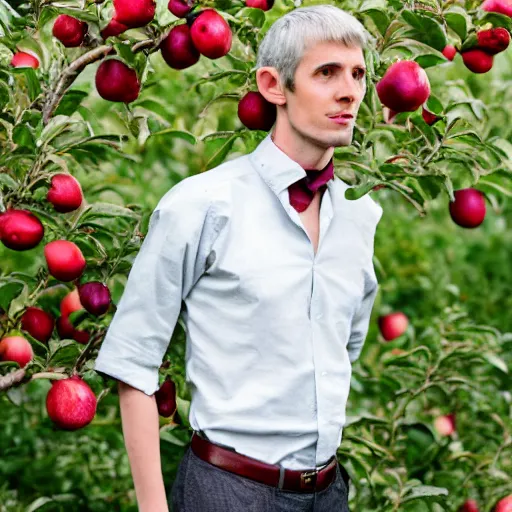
(359, 74)
(326, 71)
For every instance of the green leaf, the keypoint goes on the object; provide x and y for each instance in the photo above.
(255, 16)
(497, 20)
(108, 210)
(429, 60)
(359, 191)
(425, 29)
(379, 17)
(425, 491)
(22, 136)
(33, 85)
(8, 182)
(496, 361)
(457, 19)
(65, 353)
(179, 134)
(221, 153)
(70, 102)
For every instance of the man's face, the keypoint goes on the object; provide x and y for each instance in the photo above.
(329, 81)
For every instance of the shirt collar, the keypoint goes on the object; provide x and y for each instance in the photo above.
(275, 167)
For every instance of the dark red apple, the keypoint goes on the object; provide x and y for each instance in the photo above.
(17, 349)
(115, 81)
(71, 403)
(504, 505)
(20, 230)
(429, 117)
(255, 112)
(95, 297)
(24, 60)
(499, 6)
(469, 506)
(64, 259)
(445, 425)
(65, 193)
(211, 34)
(265, 5)
(494, 40)
(404, 87)
(477, 60)
(69, 31)
(468, 209)
(166, 398)
(180, 8)
(449, 51)
(393, 325)
(114, 28)
(177, 48)
(134, 13)
(38, 323)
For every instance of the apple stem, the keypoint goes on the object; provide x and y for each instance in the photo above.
(69, 75)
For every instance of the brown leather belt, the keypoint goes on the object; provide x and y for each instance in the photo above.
(287, 479)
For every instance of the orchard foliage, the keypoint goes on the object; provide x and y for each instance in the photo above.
(106, 105)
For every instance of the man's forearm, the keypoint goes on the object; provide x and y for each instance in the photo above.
(139, 416)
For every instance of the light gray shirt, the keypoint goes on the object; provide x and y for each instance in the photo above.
(272, 328)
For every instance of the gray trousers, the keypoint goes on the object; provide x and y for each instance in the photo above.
(203, 487)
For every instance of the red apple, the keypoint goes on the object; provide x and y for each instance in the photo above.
(404, 87)
(504, 505)
(95, 297)
(17, 349)
(67, 331)
(177, 48)
(69, 31)
(445, 425)
(468, 209)
(429, 117)
(393, 325)
(24, 60)
(211, 34)
(65, 193)
(477, 60)
(166, 398)
(255, 112)
(64, 259)
(70, 303)
(469, 506)
(265, 5)
(180, 8)
(114, 28)
(494, 40)
(449, 51)
(38, 323)
(134, 13)
(115, 81)
(71, 403)
(20, 230)
(499, 6)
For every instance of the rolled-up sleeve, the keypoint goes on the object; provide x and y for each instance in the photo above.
(361, 320)
(169, 263)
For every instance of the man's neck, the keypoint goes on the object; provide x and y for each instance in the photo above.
(307, 156)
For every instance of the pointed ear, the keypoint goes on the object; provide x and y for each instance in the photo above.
(269, 85)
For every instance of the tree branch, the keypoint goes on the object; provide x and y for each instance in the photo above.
(69, 75)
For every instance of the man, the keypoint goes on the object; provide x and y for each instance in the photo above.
(275, 283)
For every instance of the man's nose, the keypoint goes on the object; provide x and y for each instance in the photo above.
(350, 90)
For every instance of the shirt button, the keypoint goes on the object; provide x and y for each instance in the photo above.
(324, 374)
(319, 316)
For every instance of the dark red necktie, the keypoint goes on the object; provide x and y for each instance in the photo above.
(302, 192)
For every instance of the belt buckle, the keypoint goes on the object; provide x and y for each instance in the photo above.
(308, 479)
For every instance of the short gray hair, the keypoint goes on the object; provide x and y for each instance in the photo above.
(289, 37)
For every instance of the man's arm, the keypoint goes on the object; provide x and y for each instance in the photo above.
(139, 416)
(168, 265)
